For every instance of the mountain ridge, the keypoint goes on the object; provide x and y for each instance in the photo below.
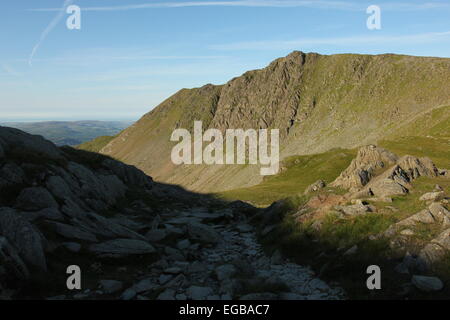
(318, 102)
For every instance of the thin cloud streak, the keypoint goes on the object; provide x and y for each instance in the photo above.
(344, 41)
(49, 28)
(317, 4)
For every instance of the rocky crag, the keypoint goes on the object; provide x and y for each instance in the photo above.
(381, 209)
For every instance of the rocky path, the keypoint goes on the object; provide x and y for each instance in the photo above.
(222, 261)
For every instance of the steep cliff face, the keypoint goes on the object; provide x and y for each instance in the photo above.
(318, 103)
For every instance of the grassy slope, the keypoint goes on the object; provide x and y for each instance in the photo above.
(97, 144)
(299, 173)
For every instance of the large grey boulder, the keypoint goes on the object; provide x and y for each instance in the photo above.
(33, 144)
(432, 196)
(47, 214)
(58, 187)
(355, 209)
(10, 258)
(199, 293)
(427, 284)
(12, 174)
(128, 174)
(436, 249)
(105, 227)
(23, 235)
(71, 232)
(122, 247)
(35, 198)
(110, 286)
(203, 233)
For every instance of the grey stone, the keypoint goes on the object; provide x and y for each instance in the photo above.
(122, 247)
(168, 294)
(432, 196)
(183, 244)
(203, 233)
(24, 236)
(35, 198)
(72, 246)
(225, 272)
(155, 235)
(71, 232)
(9, 257)
(427, 284)
(110, 286)
(199, 293)
(34, 144)
(48, 214)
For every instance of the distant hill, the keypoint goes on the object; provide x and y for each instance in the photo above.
(70, 133)
(319, 103)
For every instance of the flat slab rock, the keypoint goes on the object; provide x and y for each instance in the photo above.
(122, 247)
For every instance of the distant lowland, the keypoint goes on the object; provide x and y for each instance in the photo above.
(71, 133)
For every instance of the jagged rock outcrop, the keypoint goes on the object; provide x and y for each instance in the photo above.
(380, 173)
(361, 170)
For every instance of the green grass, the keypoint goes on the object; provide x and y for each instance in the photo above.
(435, 148)
(97, 144)
(299, 173)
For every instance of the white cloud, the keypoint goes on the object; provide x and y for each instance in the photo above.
(49, 28)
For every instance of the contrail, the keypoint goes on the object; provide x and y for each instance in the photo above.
(49, 28)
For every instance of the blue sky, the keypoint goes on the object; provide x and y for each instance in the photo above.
(130, 55)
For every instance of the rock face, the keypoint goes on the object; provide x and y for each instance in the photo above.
(24, 236)
(380, 173)
(361, 170)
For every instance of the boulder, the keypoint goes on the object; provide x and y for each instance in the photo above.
(17, 140)
(203, 233)
(199, 293)
(23, 236)
(436, 249)
(72, 246)
(122, 247)
(386, 188)
(316, 186)
(11, 260)
(71, 232)
(129, 174)
(35, 198)
(432, 196)
(110, 286)
(155, 235)
(58, 187)
(47, 214)
(427, 284)
(225, 272)
(12, 174)
(355, 209)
